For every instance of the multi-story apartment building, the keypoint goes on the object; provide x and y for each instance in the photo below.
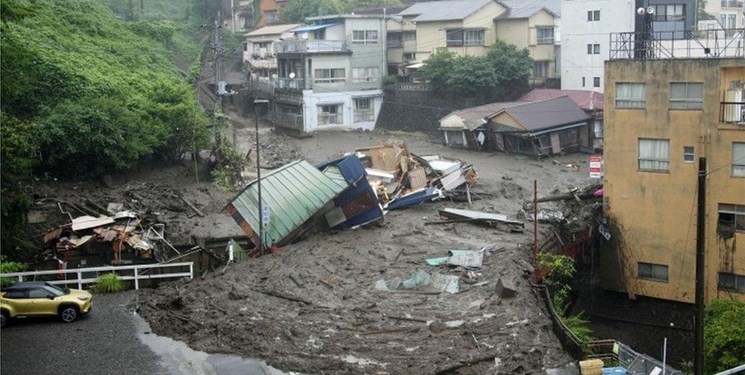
(728, 14)
(260, 51)
(661, 115)
(330, 74)
(470, 27)
(588, 24)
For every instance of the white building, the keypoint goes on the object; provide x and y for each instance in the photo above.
(586, 29)
(728, 14)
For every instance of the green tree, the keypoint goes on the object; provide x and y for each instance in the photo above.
(501, 74)
(299, 10)
(437, 69)
(724, 335)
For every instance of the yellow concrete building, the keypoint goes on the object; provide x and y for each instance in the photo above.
(661, 116)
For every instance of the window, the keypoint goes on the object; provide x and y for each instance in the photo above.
(545, 35)
(461, 37)
(731, 282)
(410, 56)
(669, 12)
(16, 293)
(474, 37)
(369, 74)
(656, 272)
(630, 95)
(689, 156)
(38, 293)
(330, 75)
(540, 69)
(738, 159)
(364, 37)
(731, 219)
(593, 49)
(595, 81)
(593, 15)
(686, 95)
(583, 81)
(330, 114)
(653, 154)
(409, 36)
(363, 110)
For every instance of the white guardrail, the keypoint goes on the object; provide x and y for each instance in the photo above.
(136, 276)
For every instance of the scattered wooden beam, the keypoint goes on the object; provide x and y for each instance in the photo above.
(192, 207)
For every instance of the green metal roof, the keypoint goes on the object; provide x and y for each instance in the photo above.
(293, 194)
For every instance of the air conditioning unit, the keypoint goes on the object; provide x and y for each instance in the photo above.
(734, 112)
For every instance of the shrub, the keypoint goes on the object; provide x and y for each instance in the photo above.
(109, 283)
(580, 327)
(8, 267)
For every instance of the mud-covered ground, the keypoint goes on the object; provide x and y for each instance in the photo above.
(313, 307)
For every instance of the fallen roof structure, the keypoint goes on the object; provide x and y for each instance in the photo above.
(291, 195)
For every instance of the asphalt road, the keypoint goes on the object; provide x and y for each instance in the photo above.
(110, 340)
(103, 342)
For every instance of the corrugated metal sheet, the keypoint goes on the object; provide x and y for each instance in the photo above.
(293, 194)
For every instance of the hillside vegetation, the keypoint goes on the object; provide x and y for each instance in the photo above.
(86, 93)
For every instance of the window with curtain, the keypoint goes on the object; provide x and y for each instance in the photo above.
(409, 36)
(689, 154)
(738, 159)
(474, 37)
(686, 95)
(630, 95)
(654, 154)
(545, 35)
(540, 69)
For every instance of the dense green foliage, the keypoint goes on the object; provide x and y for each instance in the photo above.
(298, 10)
(724, 335)
(501, 74)
(10, 267)
(109, 283)
(85, 93)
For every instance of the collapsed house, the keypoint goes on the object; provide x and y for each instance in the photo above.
(343, 193)
(539, 128)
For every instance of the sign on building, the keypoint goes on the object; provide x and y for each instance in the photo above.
(596, 166)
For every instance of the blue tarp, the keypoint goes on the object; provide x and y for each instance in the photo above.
(305, 29)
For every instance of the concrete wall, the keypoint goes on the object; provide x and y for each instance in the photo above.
(615, 16)
(654, 213)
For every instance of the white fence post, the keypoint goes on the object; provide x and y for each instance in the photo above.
(137, 282)
(191, 270)
(80, 279)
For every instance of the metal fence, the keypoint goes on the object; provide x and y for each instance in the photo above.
(617, 354)
(658, 45)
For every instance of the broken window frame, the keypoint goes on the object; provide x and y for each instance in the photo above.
(731, 219)
(731, 282)
(653, 272)
(334, 115)
(653, 155)
(364, 109)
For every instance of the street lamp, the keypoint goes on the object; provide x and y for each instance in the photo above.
(258, 101)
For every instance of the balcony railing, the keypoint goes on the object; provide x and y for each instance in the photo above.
(289, 83)
(304, 46)
(732, 112)
(394, 43)
(677, 44)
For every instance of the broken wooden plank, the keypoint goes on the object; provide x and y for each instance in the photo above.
(419, 320)
(192, 207)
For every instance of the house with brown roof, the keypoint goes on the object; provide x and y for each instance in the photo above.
(539, 128)
(590, 101)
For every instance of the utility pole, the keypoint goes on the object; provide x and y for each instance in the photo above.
(698, 360)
